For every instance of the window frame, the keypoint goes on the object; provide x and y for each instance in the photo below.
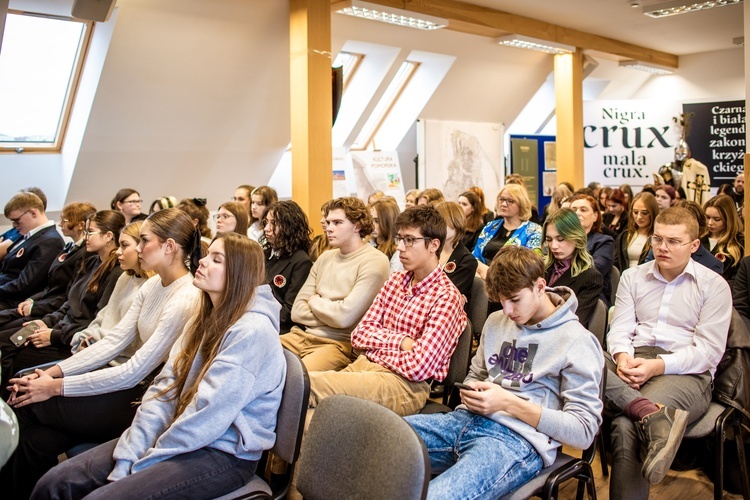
(70, 94)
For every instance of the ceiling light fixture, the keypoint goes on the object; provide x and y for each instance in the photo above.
(683, 7)
(390, 15)
(527, 42)
(656, 69)
(634, 3)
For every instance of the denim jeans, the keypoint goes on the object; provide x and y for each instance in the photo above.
(476, 457)
(204, 473)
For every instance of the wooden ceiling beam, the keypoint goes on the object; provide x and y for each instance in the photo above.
(484, 21)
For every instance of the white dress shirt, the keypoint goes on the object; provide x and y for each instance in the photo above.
(688, 316)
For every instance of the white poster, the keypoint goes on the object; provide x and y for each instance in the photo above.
(457, 155)
(343, 174)
(378, 171)
(627, 141)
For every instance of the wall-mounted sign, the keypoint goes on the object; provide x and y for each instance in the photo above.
(626, 141)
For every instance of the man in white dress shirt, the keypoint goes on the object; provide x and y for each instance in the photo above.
(667, 337)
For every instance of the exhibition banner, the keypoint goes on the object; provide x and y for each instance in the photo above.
(377, 171)
(717, 138)
(454, 156)
(627, 141)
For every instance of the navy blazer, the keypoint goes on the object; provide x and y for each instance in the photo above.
(587, 286)
(602, 249)
(24, 269)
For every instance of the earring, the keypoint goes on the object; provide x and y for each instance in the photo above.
(187, 263)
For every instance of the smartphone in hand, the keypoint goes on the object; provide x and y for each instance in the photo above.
(19, 338)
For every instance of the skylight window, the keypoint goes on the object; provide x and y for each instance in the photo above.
(350, 62)
(40, 65)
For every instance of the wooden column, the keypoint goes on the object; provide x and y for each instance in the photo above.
(569, 115)
(3, 14)
(310, 74)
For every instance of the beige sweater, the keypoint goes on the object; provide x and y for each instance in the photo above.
(339, 290)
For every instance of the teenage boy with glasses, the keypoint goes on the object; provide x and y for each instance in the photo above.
(24, 268)
(668, 335)
(411, 329)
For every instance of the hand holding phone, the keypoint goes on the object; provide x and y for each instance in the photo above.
(465, 387)
(20, 337)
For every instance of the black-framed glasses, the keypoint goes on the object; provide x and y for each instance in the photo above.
(15, 221)
(409, 240)
(506, 201)
(672, 244)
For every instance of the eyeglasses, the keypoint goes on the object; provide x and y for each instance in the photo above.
(672, 244)
(133, 202)
(223, 216)
(64, 220)
(642, 213)
(408, 240)
(88, 233)
(15, 221)
(506, 201)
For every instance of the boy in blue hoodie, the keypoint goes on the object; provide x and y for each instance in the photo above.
(535, 385)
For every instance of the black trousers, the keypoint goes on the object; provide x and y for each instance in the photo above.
(52, 427)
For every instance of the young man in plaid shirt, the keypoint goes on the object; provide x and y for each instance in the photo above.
(411, 329)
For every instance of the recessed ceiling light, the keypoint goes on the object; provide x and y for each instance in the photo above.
(684, 6)
(527, 42)
(390, 15)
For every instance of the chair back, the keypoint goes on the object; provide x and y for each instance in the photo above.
(459, 365)
(598, 321)
(355, 448)
(290, 421)
(614, 280)
(478, 306)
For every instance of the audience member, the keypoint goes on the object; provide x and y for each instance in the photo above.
(286, 243)
(196, 209)
(126, 288)
(25, 267)
(320, 242)
(600, 246)
(616, 217)
(457, 262)
(338, 290)
(473, 214)
(534, 386)
(628, 192)
(702, 255)
(261, 197)
(128, 202)
(411, 198)
(603, 197)
(162, 204)
(632, 246)
(73, 225)
(430, 196)
(560, 194)
(411, 329)
(242, 196)
(374, 196)
(738, 191)
(666, 339)
(512, 227)
(231, 218)
(518, 179)
(665, 196)
(88, 293)
(75, 401)
(725, 239)
(487, 214)
(741, 290)
(384, 213)
(12, 235)
(189, 425)
(568, 263)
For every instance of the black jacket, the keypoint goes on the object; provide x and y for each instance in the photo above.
(588, 289)
(286, 275)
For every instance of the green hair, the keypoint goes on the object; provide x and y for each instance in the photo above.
(569, 227)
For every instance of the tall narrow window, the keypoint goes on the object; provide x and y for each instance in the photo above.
(350, 61)
(387, 101)
(40, 66)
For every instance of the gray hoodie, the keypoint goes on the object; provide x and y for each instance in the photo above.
(235, 407)
(556, 364)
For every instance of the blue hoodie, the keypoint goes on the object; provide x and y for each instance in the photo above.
(235, 407)
(556, 364)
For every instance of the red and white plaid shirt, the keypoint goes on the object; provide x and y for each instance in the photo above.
(430, 313)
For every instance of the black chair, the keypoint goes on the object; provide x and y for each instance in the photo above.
(458, 368)
(598, 321)
(478, 306)
(614, 280)
(290, 425)
(545, 485)
(359, 449)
